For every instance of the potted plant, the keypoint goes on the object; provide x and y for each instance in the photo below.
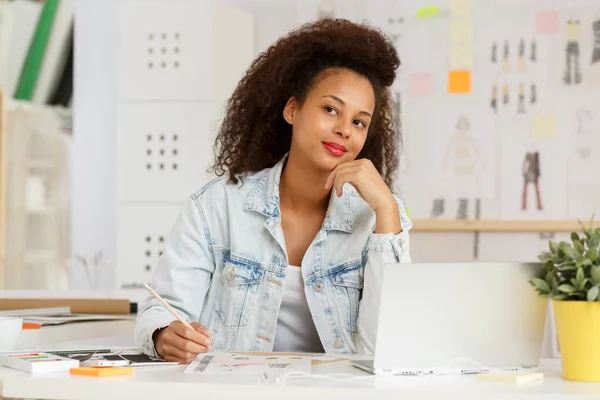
(570, 277)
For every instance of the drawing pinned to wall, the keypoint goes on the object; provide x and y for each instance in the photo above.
(463, 155)
(596, 33)
(521, 105)
(494, 99)
(505, 94)
(395, 27)
(521, 58)
(533, 51)
(531, 176)
(533, 93)
(572, 73)
(506, 59)
(585, 121)
(494, 53)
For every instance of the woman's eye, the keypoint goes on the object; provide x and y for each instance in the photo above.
(360, 123)
(330, 110)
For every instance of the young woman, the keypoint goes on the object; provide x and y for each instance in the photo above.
(285, 252)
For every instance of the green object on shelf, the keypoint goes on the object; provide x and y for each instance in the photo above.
(37, 49)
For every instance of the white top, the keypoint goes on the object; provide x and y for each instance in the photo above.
(295, 326)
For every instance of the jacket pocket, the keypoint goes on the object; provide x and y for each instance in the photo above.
(239, 286)
(348, 284)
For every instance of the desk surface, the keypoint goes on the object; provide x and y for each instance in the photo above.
(170, 382)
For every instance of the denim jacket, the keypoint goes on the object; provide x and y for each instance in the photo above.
(224, 265)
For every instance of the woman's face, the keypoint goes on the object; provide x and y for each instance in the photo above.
(332, 125)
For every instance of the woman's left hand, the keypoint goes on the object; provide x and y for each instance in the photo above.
(365, 178)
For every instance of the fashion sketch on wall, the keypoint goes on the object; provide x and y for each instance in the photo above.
(572, 68)
(531, 176)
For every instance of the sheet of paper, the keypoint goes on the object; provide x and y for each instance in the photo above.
(460, 31)
(543, 125)
(459, 81)
(533, 179)
(420, 84)
(463, 154)
(461, 8)
(461, 56)
(232, 363)
(546, 22)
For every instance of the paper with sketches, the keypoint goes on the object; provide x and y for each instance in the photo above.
(461, 8)
(464, 154)
(232, 363)
(543, 125)
(459, 81)
(461, 56)
(546, 22)
(460, 31)
(533, 179)
(420, 84)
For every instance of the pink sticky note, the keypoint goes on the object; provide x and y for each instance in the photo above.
(546, 22)
(420, 84)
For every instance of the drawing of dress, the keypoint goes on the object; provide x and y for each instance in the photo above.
(463, 151)
(533, 51)
(533, 93)
(572, 71)
(521, 57)
(596, 53)
(494, 99)
(531, 175)
(506, 59)
(395, 28)
(521, 106)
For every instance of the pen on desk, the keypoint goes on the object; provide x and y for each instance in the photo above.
(171, 309)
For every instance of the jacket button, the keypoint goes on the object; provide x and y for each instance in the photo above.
(337, 343)
(230, 275)
(319, 287)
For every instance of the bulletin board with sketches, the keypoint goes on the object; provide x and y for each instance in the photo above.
(500, 107)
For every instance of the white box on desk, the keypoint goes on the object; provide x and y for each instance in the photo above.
(37, 363)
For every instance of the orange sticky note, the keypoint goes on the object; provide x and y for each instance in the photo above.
(101, 371)
(459, 81)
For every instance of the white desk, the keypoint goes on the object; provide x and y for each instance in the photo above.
(170, 382)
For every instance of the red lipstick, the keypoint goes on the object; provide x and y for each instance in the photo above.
(335, 149)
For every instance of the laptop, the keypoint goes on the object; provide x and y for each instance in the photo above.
(458, 318)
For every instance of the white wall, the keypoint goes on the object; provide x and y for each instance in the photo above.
(95, 127)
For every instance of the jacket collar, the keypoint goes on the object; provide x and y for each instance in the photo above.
(264, 199)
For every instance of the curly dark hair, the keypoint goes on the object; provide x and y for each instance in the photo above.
(254, 135)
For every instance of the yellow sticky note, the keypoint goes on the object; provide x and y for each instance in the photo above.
(461, 56)
(543, 125)
(459, 81)
(461, 8)
(461, 31)
(428, 12)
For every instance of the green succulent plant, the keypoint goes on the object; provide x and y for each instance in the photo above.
(571, 271)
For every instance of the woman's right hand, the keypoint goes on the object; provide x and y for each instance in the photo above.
(179, 343)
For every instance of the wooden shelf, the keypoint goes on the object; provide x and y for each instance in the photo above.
(496, 226)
